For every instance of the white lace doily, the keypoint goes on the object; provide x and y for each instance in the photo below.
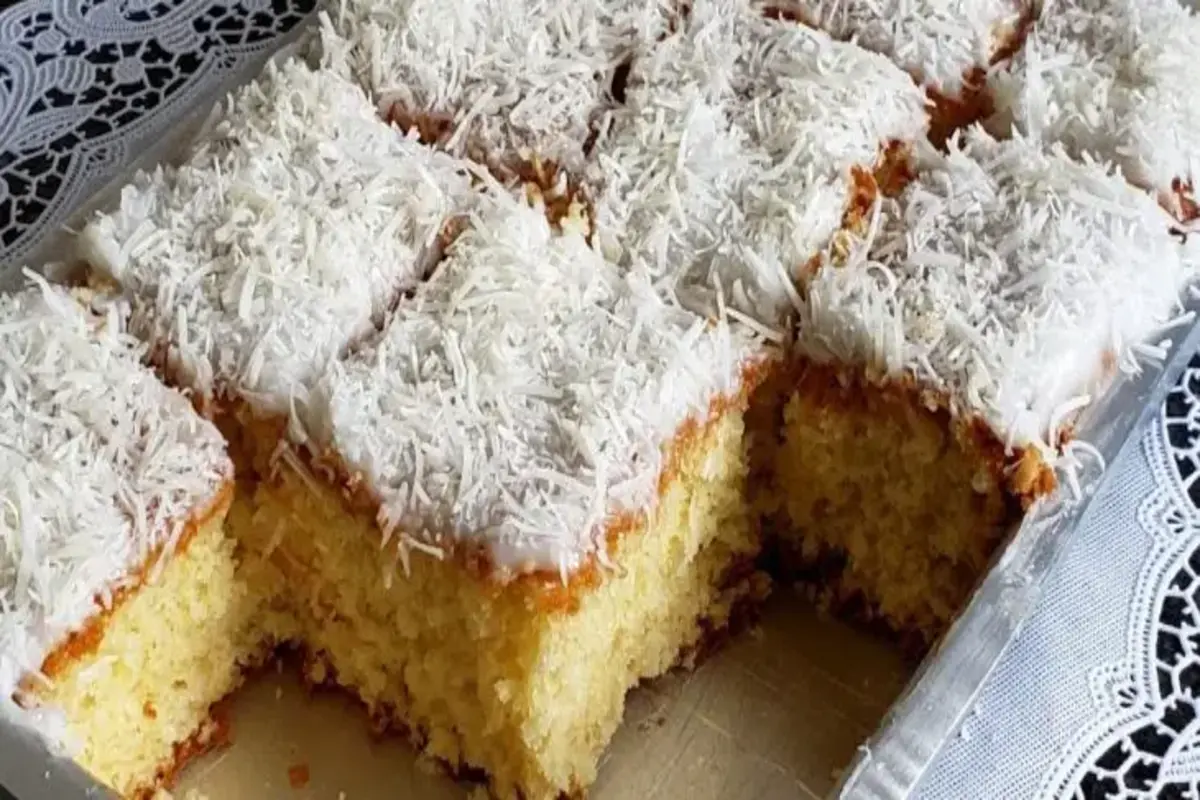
(87, 85)
(1097, 698)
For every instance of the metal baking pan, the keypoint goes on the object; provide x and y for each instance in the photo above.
(792, 709)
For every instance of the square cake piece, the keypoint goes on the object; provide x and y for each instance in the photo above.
(121, 619)
(948, 46)
(947, 358)
(1106, 79)
(528, 497)
(745, 145)
(287, 235)
(508, 82)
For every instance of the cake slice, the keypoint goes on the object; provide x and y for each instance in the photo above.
(744, 146)
(948, 46)
(528, 495)
(508, 82)
(286, 236)
(944, 363)
(121, 618)
(1104, 78)
(493, 518)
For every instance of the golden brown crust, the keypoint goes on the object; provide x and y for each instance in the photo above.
(974, 102)
(432, 129)
(950, 113)
(1183, 202)
(561, 193)
(891, 173)
(214, 733)
(894, 170)
(788, 13)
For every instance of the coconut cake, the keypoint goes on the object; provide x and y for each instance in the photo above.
(949, 356)
(121, 618)
(499, 459)
(662, 494)
(547, 502)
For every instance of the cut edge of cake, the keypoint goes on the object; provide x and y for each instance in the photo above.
(974, 372)
(156, 510)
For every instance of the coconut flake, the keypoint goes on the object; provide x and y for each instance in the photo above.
(287, 233)
(1108, 79)
(1014, 274)
(936, 41)
(513, 77)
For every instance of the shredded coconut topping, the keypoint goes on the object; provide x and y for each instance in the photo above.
(730, 163)
(1007, 278)
(525, 393)
(101, 466)
(287, 234)
(1111, 78)
(530, 388)
(939, 42)
(511, 75)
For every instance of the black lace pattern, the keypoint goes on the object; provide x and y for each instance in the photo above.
(84, 84)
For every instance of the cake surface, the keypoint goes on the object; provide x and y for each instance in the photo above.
(733, 162)
(940, 42)
(1008, 280)
(1103, 78)
(504, 80)
(524, 394)
(286, 235)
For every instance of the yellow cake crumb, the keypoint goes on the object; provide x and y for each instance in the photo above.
(141, 700)
(486, 676)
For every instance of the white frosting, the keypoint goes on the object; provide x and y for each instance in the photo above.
(1112, 79)
(936, 41)
(514, 75)
(524, 393)
(101, 464)
(1004, 278)
(730, 163)
(287, 235)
